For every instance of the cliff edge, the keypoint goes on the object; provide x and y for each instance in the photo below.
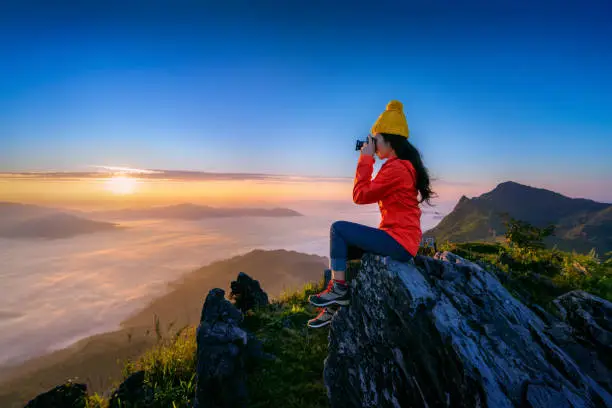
(444, 332)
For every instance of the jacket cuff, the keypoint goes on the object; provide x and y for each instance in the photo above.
(366, 158)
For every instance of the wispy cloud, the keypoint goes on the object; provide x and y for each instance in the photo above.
(125, 170)
(188, 175)
(166, 175)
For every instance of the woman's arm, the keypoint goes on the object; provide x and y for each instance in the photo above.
(368, 191)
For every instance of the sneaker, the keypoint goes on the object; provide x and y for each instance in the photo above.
(323, 318)
(335, 293)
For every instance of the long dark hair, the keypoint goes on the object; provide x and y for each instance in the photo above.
(406, 151)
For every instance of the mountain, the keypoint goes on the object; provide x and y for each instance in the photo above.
(189, 211)
(53, 226)
(277, 271)
(99, 359)
(11, 212)
(581, 224)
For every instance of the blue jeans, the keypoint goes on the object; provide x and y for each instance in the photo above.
(349, 240)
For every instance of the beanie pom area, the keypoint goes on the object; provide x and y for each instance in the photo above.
(395, 106)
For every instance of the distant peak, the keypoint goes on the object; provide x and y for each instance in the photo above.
(510, 187)
(512, 184)
(509, 183)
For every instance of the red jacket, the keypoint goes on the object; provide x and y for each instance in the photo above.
(394, 188)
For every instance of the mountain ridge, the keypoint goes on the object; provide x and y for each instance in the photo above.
(21, 220)
(581, 224)
(54, 225)
(192, 211)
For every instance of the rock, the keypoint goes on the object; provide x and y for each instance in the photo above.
(132, 391)
(444, 332)
(70, 395)
(247, 293)
(506, 259)
(590, 316)
(220, 370)
(223, 351)
(585, 333)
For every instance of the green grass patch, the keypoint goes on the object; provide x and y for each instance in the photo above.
(295, 378)
(542, 273)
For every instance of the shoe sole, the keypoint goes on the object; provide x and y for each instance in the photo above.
(331, 302)
(316, 326)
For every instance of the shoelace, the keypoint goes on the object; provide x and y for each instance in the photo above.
(330, 287)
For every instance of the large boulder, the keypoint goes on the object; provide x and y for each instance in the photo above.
(247, 293)
(69, 395)
(444, 332)
(224, 350)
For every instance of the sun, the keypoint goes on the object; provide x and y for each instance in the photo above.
(121, 185)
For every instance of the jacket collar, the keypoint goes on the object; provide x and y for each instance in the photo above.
(391, 159)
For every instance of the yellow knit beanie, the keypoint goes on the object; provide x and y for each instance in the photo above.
(392, 120)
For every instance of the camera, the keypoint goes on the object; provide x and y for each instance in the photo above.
(360, 144)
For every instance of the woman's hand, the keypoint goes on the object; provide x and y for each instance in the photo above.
(369, 148)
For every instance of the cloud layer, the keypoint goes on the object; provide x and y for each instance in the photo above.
(54, 292)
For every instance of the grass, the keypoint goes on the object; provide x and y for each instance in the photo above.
(295, 379)
(543, 274)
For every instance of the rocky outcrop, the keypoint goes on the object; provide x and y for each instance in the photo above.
(71, 395)
(247, 293)
(224, 350)
(444, 332)
(584, 331)
(132, 391)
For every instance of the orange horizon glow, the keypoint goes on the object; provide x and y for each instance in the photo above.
(130, 190)
(123, 188)
(133, 189)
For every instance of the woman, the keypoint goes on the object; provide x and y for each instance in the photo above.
(395, 188)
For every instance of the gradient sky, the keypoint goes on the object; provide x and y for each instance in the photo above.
(491, 93)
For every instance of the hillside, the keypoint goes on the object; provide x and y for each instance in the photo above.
(11, 211)
(99, 360)
(54, 225)
(278, 271)
(187, 211)
(581, 224)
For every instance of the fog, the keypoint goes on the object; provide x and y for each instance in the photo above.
(55, 292)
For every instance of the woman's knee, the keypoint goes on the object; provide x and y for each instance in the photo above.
(337, 227)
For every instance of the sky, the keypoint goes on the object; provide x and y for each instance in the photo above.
(492, 92)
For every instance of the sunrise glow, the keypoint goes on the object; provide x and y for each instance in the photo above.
(121, 185)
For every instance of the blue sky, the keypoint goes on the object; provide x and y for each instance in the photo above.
(491, 93)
